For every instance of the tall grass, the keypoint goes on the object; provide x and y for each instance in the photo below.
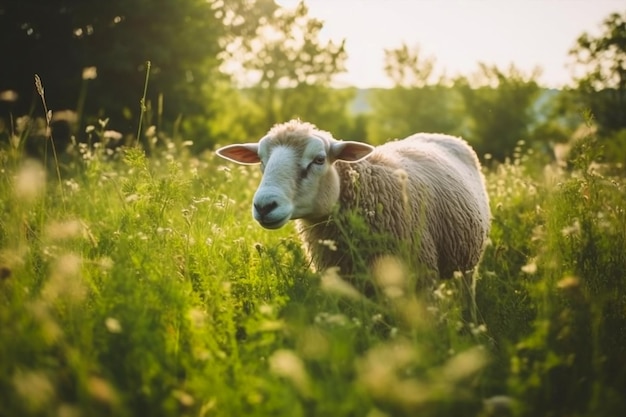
(152, 292)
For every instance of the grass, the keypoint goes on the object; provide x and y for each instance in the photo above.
(136, 286)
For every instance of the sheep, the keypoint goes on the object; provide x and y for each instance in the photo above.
(423, 196)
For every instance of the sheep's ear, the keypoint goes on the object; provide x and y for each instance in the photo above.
(246, 154)
(350, 151)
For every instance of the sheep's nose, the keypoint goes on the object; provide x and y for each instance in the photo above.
(265, 209)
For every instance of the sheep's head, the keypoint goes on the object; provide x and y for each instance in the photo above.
(299, 179)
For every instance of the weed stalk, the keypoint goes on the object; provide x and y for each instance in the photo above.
(143, 100)
(40, 91)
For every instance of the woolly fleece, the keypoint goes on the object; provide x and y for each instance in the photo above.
(423, 196)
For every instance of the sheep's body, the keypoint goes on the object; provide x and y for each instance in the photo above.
(422, 197)
(426, 192)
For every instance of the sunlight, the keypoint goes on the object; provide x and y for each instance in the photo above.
(459, 33)
(288, 3)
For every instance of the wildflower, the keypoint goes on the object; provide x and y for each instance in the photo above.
(574, 229)
(65, 281)
(353, 175)
(197, 317)
(9, 95)
(330, 244)
(34, 387)
(183, 398)
(131, 198)
(113, 325)
(333, 319)
(285, 363)
(530, 268)
(389, 273)
(90, 73)
(30, 181)
(112, 135)
(64, 230)
(499, 405)
(101, 390)
(106, 263)
(464, 364)
(266, 309)
(151, 131)
(72, 185)
(332, 283)
(568, 282)
(442, 292)
(379, 371)
(477, 330)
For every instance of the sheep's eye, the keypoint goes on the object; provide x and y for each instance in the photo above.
(319, 160)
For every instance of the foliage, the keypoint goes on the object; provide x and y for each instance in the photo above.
(141, 286)
(416, 102)
(407, 67)
(492, 109)
(291, 67)
(600, 64)
(500, 105)
(92, 55)
(399, 112)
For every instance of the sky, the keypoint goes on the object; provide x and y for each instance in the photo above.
(460, 33)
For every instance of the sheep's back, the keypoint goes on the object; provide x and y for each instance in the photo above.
(426, 193)
(456, 204)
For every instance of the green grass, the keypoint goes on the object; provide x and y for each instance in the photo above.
(134, 286)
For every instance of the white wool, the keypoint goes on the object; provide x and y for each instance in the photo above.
(422, 197)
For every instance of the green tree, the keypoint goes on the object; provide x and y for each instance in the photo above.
(500, 107)
(600, 64)
(287, 70)
(58, 39)
(419, 101)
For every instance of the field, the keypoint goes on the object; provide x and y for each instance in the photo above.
(141, 286)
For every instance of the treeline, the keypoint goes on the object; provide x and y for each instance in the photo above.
(220, 71)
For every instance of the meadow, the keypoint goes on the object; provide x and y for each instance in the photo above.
(142, 286)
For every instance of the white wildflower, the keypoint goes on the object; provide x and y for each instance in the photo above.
(113, 325)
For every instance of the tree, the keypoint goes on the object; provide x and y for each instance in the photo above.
(601, 64)
(419, 101)
(287, 70)
(58, 39)
(500, 106)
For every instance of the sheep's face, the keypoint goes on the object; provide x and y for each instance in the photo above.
(299, 179)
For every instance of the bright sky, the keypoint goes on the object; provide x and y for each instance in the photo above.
(460, 33)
